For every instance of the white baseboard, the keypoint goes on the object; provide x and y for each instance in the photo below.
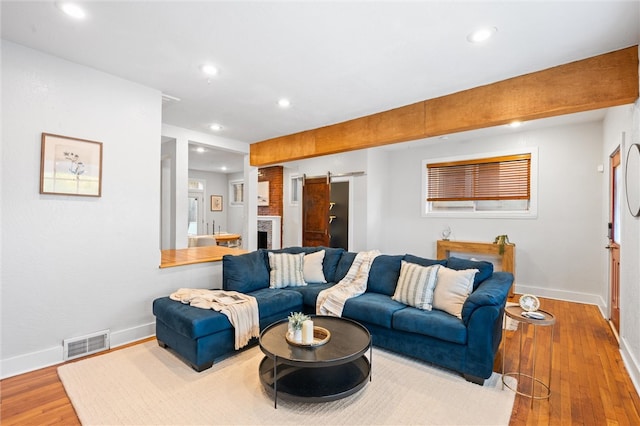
(631, 364)
(47, 357)
(568, 296)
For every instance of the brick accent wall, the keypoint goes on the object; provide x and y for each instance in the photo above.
(275, 176)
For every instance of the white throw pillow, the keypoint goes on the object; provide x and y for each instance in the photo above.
(313, 267)
(452, 289)
(415, 285)
(286, 270)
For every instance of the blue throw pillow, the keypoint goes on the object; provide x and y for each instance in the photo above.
(344, 264)
(384, 274)
(246, 272)
(485, 268)
(332, 257)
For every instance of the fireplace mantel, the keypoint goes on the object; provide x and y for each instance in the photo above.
(275, 237)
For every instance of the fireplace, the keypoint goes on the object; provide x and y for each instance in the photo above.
(271, 226)
(263, 240)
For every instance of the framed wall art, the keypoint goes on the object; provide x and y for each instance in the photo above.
(70, 166)
(216, 203)
(263, 193)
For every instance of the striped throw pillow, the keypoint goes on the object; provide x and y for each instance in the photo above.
(416, 284)
(286, 270)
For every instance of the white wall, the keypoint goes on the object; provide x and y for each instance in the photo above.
(622, 128)
(558, 254)
(76, 265)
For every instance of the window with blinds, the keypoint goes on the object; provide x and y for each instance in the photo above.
(500, 183)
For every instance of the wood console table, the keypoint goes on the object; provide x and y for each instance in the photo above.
(508, 257)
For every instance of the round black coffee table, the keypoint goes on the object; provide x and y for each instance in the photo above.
(334, 370)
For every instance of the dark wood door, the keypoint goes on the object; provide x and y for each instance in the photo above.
(315, 212)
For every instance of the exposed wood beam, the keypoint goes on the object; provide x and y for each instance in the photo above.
(598, 82)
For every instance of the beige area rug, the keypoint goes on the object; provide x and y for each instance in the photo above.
(148, 385)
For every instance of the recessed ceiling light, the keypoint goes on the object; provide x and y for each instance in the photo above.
(481, 34)
(209, 70)
(72, 10)
(200, 149)
(223, 168)
(284, 103)
(215, 127)
(515, 124)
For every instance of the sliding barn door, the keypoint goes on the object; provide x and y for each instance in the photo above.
(315, 212)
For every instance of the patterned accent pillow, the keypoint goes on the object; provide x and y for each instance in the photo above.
(416, 284)
(286, 270)
(452, 289)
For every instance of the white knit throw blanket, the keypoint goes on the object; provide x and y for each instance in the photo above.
(241, 309)
(331, 301)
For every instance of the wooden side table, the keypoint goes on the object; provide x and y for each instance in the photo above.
(515, 313)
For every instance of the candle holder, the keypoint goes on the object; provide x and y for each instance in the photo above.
(320, 336)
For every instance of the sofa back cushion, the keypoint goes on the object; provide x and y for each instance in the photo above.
(384, 274)
(423, 261)
(246, 272)
(485, 269)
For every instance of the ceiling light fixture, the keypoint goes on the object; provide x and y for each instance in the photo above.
(209, 70)
(72, 10)
(200, 149)
(215, 127)
(284, 103)
(515, 124)
(481, 34)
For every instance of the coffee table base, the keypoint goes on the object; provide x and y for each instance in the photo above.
(319, 384)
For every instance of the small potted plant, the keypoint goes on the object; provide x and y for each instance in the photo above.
(295, 325)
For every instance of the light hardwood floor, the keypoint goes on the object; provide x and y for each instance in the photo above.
(590, 385)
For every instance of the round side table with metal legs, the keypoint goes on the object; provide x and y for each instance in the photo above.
(515, 313)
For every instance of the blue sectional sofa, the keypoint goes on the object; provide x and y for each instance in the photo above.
(467, 345)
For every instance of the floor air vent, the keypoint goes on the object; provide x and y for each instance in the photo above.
(85, 345)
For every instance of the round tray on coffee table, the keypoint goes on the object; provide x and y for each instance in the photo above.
(331, 371)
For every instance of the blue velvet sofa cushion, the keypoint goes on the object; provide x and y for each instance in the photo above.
(310, 292)
(423, 261)
(384, 274)
(374, 308)
(433, 323)
(485, 268)
(272, 301)
(246, 272)
(187, 320)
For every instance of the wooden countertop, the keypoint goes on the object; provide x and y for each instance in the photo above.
(226, 237)
(193, 255)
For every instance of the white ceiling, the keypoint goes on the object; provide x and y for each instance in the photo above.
(335, 60)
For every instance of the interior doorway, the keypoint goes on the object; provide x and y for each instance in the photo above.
(615, 199)
(339, 215)
(315, 212)
(326, 216)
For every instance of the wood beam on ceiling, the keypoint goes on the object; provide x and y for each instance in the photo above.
(598, 82)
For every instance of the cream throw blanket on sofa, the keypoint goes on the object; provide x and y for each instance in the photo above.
(331, 301)
(241, 309)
